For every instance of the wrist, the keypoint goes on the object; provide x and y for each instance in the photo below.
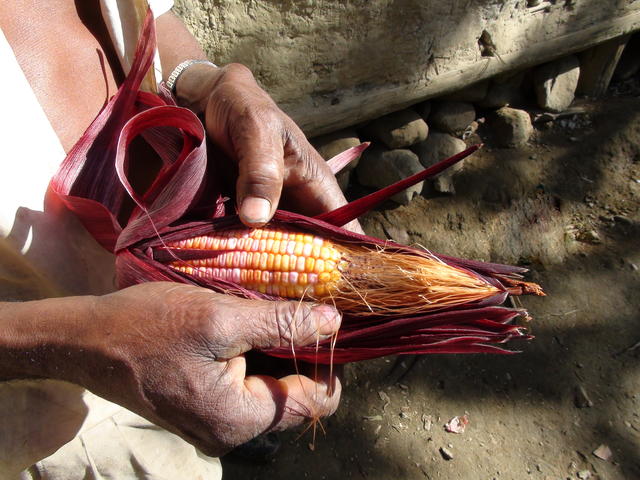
(45, 338)
(194, 84)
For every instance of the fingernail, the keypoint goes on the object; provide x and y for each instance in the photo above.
(255, 210)
(330, 319)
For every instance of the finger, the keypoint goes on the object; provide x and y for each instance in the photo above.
(292, 400)
(258, 146)
(321, 193)
(309, 184)
(262, 324)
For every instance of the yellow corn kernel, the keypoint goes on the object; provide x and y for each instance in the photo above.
(285, 263)
(309, 263)
(318, 267)
(319, 290)
(325, 253)
(264, 257)
(324, 277)
(269, 261)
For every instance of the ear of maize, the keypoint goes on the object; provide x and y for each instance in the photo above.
(358, 279)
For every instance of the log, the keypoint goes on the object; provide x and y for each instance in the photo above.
(326, 115)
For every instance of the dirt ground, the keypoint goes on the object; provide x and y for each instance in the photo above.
(567, 206)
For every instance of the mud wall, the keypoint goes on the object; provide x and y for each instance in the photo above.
(332, 64)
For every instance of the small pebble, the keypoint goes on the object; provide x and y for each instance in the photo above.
(581, 398)
(446, 453)
(590, 236)
(622, 220)
(603, 452)
(584, 474)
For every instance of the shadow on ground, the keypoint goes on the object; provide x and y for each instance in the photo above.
(525, 421)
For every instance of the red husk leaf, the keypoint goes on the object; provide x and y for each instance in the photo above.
(351, 211)
(183, 202)
(337, 163)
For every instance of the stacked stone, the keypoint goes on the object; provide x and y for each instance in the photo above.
(402, 145)
(406, 141)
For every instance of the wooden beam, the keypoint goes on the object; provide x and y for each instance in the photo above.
(598, 64)
(322, 114)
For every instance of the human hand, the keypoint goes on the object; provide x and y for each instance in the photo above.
(174, 354)
(274, 157)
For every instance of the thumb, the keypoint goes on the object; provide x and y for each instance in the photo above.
(264, 324)
(260, 174)
(293, 323)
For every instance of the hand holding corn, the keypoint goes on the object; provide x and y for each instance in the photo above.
(174, 354)
(277, 166)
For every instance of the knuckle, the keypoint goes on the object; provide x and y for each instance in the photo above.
(266, 173)
(238, 70)
(261, 115)
(307, 166)
(292, 321)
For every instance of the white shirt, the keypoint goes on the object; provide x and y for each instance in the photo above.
(53, 244)
(46, 252)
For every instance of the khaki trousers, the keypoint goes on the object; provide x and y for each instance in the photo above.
(58, 431)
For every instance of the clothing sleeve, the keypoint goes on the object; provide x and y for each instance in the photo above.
(158, 7)
(120, 20)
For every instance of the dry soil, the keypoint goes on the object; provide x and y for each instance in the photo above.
(566, 205)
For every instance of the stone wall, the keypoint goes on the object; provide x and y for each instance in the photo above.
(334, 63)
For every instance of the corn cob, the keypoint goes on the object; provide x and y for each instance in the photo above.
(299, 265)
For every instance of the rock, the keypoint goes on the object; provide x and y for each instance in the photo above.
(399, 129)
(446, 453)
(334, 143)
(398, 235)
(451, 117)
(589, 236)
(504, 90)
(511, 127)
(436, 147)
(379, 168)
(344, 177)
(555, 83)
(603, 452)
(473, 93)
(584, 474)
(427, 421)
(622, 220)
(471, 129)
(581, 399)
